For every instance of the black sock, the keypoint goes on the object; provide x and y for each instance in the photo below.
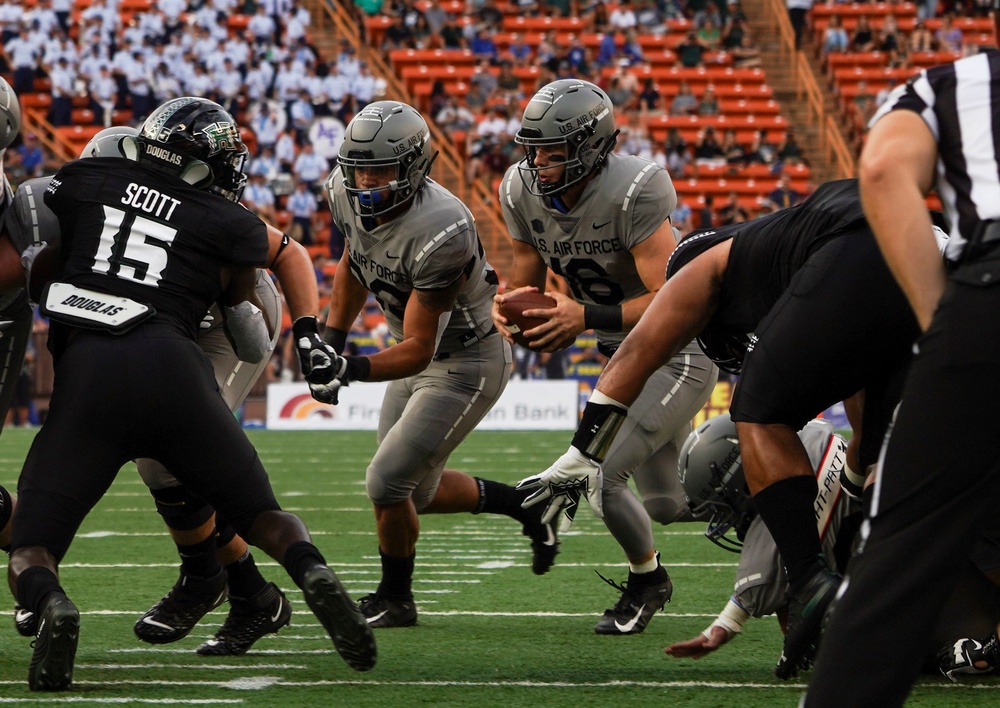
(499, 498)
(653, 577)
(245, 579)
(198, 559)
(397, 576)
(300, 557)
(786, 508)
(34, 585)
(6, 511)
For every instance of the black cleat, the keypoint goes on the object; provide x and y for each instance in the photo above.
(637, 605)
(381, 611)
(249, 620)
(806, 607)
(176, 614)
(544, 539)
(51, 667)
(329, 601)
(25, 622)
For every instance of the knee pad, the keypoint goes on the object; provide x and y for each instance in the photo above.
(181, 510)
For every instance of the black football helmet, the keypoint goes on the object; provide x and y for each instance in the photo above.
(711, 471)
(198, 141)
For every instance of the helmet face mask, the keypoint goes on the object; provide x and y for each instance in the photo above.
(197, 140)
(385, 157)
(573, 118)
(711, 471)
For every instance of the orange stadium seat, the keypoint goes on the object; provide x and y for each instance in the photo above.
(899, 9)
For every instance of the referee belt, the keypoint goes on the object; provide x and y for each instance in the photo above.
(986, 232)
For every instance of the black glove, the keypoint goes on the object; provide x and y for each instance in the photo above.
(315, 356)
(344, 369)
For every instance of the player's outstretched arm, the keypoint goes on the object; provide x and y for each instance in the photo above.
(291, 265)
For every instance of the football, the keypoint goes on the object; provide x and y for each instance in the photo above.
(513, 309)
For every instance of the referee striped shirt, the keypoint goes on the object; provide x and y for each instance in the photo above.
(960, 103)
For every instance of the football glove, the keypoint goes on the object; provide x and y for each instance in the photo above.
(330, 392)
(562, 485)
(315, 356)
(962, 656)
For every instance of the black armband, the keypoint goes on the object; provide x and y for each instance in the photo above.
(598, 426)
(603, 317)
(336, 338)
(359, 368)
(284, 242)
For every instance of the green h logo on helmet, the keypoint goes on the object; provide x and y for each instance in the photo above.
(222, 136)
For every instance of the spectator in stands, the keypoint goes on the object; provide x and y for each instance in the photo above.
(301, 114)
(650, 18)
(61, 78)
(518, 51)
(631, 48)
(259, 198)
(507, 81)
(949, 36)
(681, 218)
(883, 93)
(835, 37)
(784, 195)
(684, 103)
(762, 150)
(302, 206)
(690, 52)
(732, 212)
(650, 98)
(482, 44)
(490, 17)
(623, 16)
(490, 164)
(10, 20)
(922, 39)
(708, 147)
(365, 87)
(863, 39)
(709, 36)
(789, 152)
(451, 35)
(102, 92)
(164, 85)
(621, 97)
(598, 18)
(706, 216)
(423, 36)
(745, 56)
(438, 97)
(607, 50)
(733, 151)
(265, 164)
(228, 85)
(30, 157)
(678, 154)
(397, 35)
(24, 55)
(43, 18)
(709, 103)
(286, 149)
(436, 16)
(454, 117)
(265, 125)
(310, 167)
(262, 27)
(733, 34)
(797, 13)
(478, 94)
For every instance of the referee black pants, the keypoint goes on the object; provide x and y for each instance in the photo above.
(939, 483)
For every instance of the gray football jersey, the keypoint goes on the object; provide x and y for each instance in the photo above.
(428, 248)
(760, 579)
(589, 246)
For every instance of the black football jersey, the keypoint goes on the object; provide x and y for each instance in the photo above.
(150, 237)
(766, 253)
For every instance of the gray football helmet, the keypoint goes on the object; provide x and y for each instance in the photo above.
(10, 115)
(197, 140)
(385, 134)
(711, 471)
(111, 142)
(571, 113)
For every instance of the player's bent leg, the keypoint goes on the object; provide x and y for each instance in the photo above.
(392, 604)
(284, 537)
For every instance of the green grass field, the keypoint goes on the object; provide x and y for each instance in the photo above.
(490, 633)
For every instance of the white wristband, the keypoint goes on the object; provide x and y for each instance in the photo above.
(732, 618)
(600, 398)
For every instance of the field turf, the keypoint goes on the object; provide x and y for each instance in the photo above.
(490, 633)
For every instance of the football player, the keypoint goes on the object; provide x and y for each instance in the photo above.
(602, 222)
(147, 244)
(256, 606)
(414, 246)
(802, 304)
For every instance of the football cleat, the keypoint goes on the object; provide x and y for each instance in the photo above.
(25, 622)
(249, 620)
(544, 539)
(806, 607)
(381, 611)
(969, 657)
(329, 601)
(51, 667)
(637, 605)
(176, 614)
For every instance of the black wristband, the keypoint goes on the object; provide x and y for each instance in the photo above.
(598, 426)
(359, 368)
(307, 324)
(336, 338)
(603, 317)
